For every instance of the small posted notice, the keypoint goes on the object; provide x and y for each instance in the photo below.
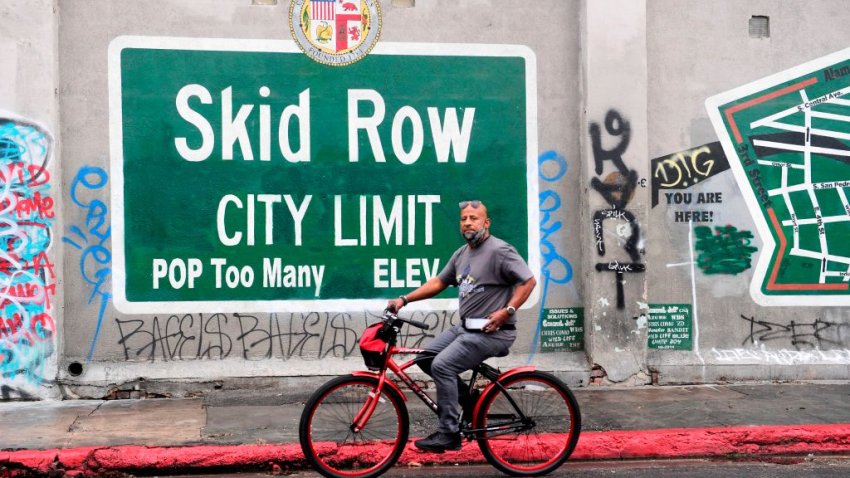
(670, 327)
(562, 330)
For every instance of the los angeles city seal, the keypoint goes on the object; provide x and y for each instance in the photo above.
(335, 32)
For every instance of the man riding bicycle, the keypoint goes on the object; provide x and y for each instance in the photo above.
(493, 281)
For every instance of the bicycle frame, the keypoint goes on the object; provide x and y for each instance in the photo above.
(365, 413)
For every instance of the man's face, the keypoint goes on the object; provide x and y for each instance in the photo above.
(473, 219)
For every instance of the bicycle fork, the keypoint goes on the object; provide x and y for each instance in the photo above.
(365, 413)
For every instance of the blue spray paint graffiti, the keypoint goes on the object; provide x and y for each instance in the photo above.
(556, 268)
(96, 259)
(27, 328)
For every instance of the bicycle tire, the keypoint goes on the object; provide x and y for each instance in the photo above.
(328, 442)
(546, 445)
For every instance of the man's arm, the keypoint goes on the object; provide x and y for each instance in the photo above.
(520, 295)
(434, 286)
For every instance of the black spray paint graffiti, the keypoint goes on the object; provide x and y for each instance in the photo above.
(617, 188)
(313, 335)
(10, 393)
(816, 335)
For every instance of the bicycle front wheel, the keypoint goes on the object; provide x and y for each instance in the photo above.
(327, 433)
(530, 425)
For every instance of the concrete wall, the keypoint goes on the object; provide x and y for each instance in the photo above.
(182, 347)
(695, 52)
(619, 84)
(614, 152)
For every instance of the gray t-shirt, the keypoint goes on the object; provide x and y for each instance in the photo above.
(485, 276)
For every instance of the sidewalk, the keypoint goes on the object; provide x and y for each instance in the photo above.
(246, 429)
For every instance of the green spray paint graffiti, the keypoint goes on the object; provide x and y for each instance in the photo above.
(725, 251)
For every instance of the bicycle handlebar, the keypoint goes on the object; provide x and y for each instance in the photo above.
(392, 316)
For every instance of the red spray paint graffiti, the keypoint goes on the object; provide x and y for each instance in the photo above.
(27, 275)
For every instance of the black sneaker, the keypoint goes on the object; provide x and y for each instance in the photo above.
(439, 442)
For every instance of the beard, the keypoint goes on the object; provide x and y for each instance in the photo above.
(475, 238)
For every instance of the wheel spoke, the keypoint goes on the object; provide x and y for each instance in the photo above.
(528, 452)
(331, 445)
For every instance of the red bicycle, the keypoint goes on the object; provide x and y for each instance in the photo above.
(526, 422)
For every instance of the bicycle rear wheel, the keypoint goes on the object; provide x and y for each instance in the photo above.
(327, 437)
(538, 445)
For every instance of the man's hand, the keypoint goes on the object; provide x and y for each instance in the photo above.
(497, 319)
(501, 316)
(395, 305)
(427, 290)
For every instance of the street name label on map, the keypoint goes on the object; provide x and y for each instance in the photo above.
(817, 101)
(831, 185)
(830, 74)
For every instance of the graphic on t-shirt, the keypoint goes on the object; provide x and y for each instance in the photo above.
(466, 285)
(466, 282)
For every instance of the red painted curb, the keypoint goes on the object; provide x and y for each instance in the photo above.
(713, 442)
(611, 445)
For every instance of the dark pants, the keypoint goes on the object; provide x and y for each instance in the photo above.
(456, 352)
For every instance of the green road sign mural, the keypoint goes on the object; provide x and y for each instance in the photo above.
(787, 138)
(246, 176)
(670, 327)
(562, 330)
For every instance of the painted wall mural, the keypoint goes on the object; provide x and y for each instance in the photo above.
(787, 138)
(27, 274)
(263, 213)
(310, 335)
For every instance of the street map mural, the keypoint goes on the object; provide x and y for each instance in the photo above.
(786, 138)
